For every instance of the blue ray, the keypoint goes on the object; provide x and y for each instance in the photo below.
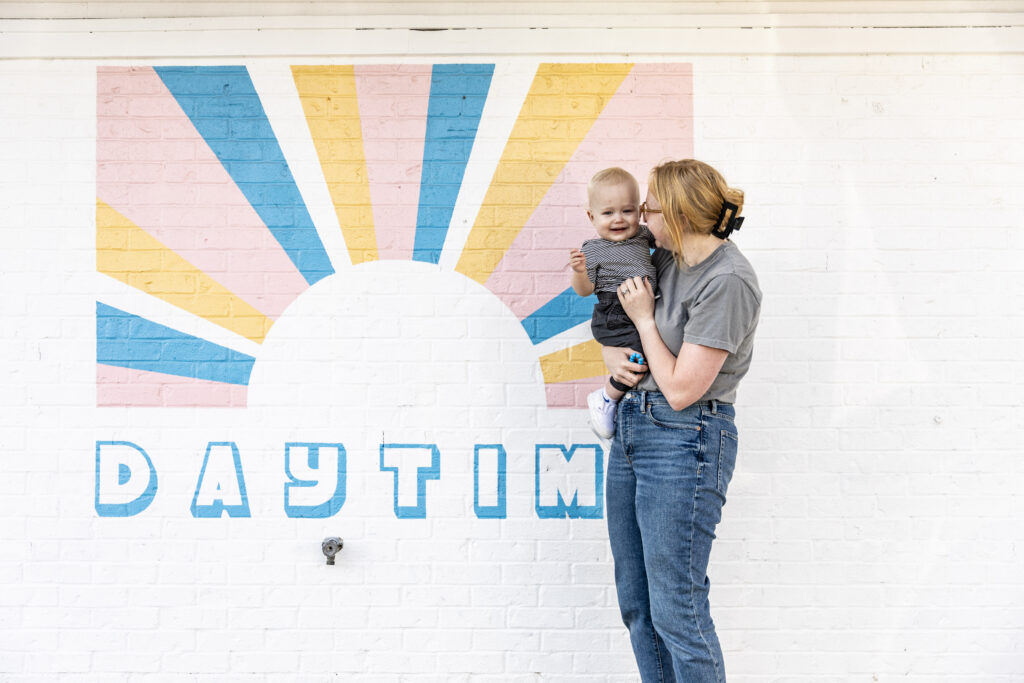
(457, 96)
(223, 105)
(565, 311)
(129, 341)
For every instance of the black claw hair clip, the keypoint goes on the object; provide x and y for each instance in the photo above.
(732, 225)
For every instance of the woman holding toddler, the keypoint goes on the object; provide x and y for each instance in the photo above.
(675, 440)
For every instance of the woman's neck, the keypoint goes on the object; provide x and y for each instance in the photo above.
(697, 248)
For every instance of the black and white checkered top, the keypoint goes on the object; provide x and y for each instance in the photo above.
(609, 263)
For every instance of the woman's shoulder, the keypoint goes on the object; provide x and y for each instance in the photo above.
(734, 263)
(727, 259)
(727, 263)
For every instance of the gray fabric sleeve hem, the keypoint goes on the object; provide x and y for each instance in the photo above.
(711, 343)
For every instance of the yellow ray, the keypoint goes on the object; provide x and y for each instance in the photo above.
(576, 362)
(328, 95)
(130, 254)
(560, 108)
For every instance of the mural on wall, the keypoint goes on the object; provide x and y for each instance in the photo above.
(199, 209)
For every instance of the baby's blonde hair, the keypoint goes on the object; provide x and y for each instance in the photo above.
(612, 176)
(692, 194)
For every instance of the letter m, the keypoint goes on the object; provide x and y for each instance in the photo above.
(575, 475)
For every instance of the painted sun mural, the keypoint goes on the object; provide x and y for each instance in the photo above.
(200, 211)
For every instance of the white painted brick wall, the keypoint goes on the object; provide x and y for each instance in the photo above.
(875, 523)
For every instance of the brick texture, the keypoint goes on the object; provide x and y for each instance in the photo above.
(874, 524)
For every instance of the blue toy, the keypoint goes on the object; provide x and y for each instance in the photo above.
(636, 358)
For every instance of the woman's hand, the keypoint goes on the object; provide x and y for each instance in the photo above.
(637, 298)
(620, 367)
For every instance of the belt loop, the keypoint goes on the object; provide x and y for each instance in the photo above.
(714, 406)
(643, 402)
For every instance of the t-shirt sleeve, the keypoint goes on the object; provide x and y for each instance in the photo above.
(723, 314)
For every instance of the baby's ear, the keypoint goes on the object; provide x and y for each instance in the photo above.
(590, 216)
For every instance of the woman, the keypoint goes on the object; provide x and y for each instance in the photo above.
(675, 443)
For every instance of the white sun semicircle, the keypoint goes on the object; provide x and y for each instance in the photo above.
(399, 344)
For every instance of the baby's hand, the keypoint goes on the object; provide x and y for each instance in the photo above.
(578, 260)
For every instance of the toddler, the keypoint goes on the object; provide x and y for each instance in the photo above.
(621, 250)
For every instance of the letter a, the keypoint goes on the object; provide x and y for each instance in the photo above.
(221, 485)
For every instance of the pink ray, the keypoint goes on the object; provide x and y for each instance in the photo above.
(572, 394)
(154, 168)
(647, 121)
(116, 386)
(393, 102)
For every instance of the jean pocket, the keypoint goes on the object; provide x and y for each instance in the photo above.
(728, 446)
(663, 416)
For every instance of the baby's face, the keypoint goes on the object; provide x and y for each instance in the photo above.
(615, 212)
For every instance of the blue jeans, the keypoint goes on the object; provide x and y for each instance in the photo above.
(668, 472)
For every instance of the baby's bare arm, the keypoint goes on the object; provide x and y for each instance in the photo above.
(581, 283)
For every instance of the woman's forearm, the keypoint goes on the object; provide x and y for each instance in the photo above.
(685, 378)
(659, 359)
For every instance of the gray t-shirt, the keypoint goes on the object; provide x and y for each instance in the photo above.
(716, 303)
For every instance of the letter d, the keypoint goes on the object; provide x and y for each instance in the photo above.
(122, 490)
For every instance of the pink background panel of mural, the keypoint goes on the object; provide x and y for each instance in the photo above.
(155, 169)
(116, 386)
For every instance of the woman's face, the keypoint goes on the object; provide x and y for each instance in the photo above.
(655, 221)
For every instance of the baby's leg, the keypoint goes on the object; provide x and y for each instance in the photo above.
(603, 404)
(611, 391)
